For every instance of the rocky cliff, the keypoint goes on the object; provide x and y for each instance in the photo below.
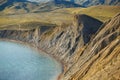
(100, 59)
(89, 48)
(64, 40)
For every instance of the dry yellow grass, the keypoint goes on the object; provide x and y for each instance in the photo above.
(51, 17)
(60, 16)
(100, 12)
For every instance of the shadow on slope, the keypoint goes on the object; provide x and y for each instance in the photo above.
(90, 26)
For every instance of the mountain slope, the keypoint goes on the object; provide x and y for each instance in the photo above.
(97, 2)
(38, 6)
(6, 3)
(58, 16)
(52, 4)
(88, 48)
(100, 12)
(89, 2)
(72, 37)
(100, 59)
(2, 2)
(20, 7)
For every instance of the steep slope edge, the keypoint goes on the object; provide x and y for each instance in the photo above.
(62, 41)
(100, 60)
(75, 46)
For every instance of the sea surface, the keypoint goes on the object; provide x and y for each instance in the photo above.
(20, 62)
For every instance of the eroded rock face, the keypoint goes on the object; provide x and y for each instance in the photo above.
(87, 46)
(100, 59)
(59, 41)
(90, 26)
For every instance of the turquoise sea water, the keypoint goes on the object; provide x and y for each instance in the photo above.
(19, 62)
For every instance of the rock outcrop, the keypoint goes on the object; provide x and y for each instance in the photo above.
(63, 40)
(100, 59)
(89, 48)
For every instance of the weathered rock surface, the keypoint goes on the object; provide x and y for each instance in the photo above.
(100, 60)
(89, 48)
(62, 40)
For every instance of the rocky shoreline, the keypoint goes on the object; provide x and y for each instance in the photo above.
(33, 46)
(85, 51)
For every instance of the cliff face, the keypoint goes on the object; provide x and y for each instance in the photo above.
(59, 41)
(100, 59)
(89, 48)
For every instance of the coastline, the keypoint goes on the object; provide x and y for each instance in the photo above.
(33, 46)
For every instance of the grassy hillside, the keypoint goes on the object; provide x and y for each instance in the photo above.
(59, 16)
(100, 12)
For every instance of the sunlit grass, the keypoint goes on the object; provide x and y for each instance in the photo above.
(59, 16)
(100, 12)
